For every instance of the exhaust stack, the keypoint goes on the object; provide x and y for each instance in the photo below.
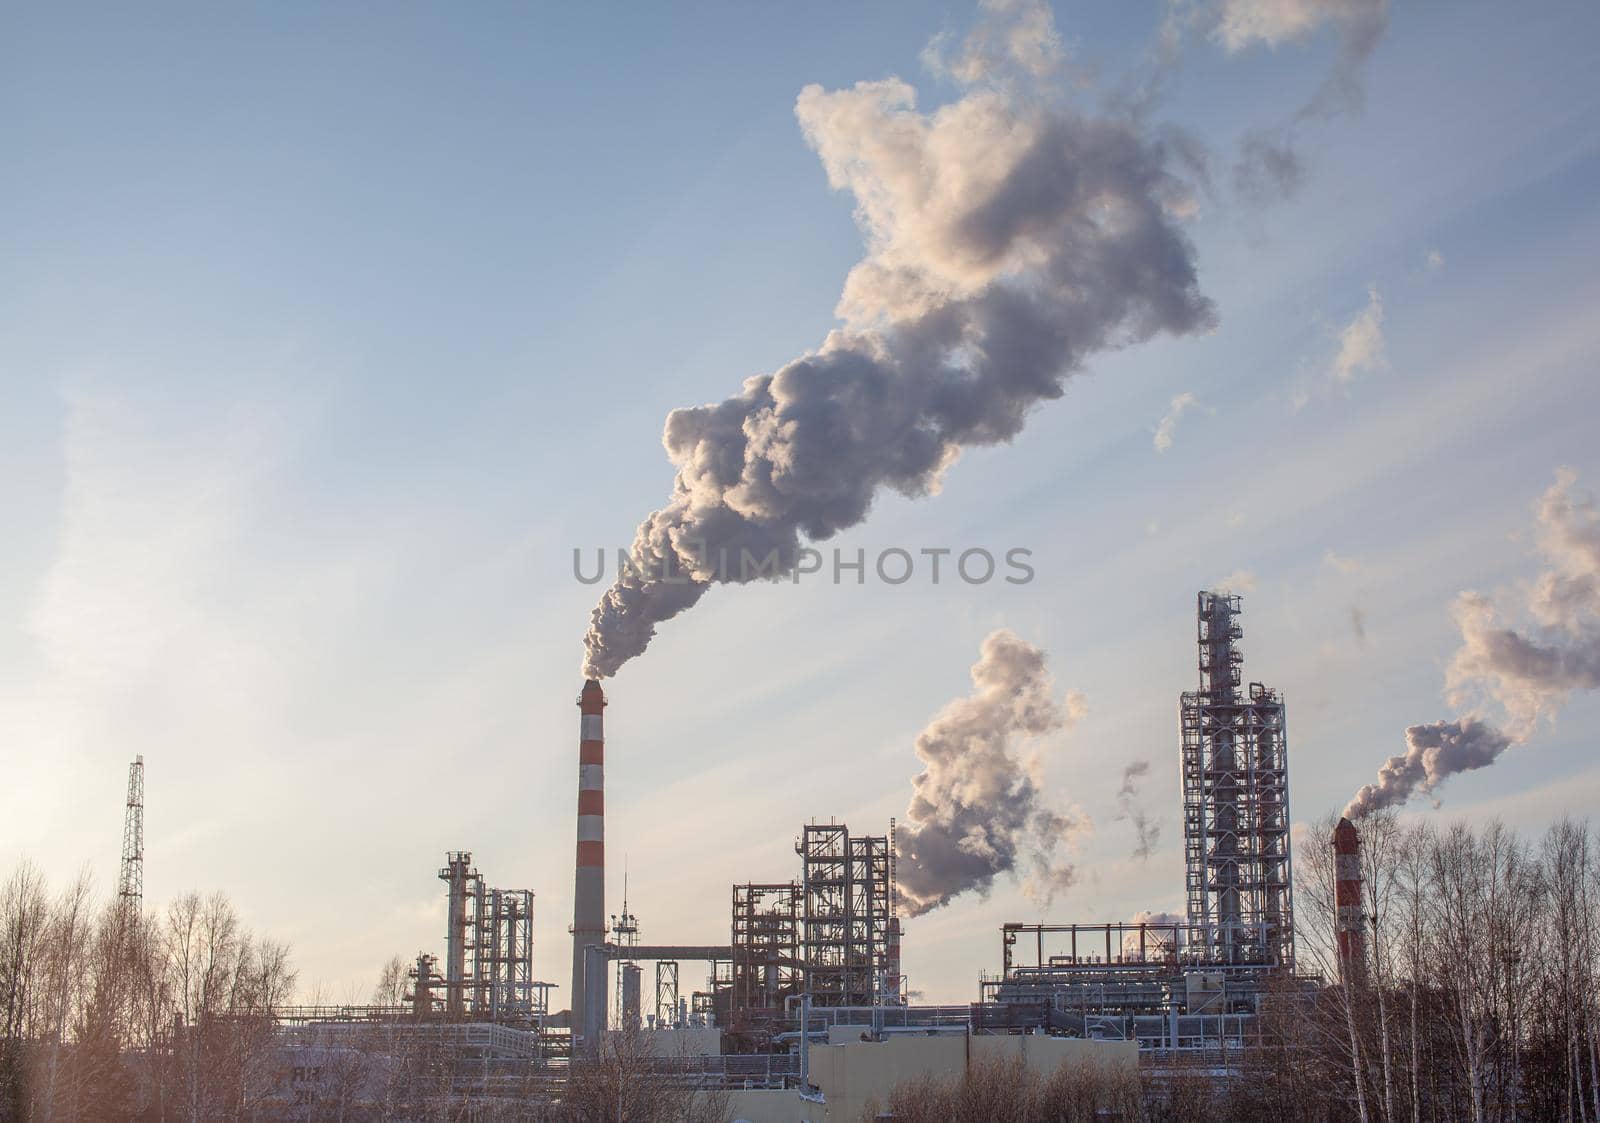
(589, 890)
(1347, 900)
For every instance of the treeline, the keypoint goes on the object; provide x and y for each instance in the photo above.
(1476, 991)
(1474, 995)
(107, 1013)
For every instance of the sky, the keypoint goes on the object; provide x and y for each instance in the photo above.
(328, 334)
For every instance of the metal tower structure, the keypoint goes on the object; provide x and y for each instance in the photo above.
(766, 948)
(845, 930)
(502, 956)
(667, 1014)
(1235, 803)
(130, 884)
(625, 934)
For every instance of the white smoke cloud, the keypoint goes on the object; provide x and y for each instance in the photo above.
(1239, 581)
(1361, 341)
(1343, 564)
(976, 809)
(1529, 673)
(1157, 945)
(1023, 35)
(1433, 261)
(1009, 237)
(1146, 832)
(1245, 23)
(1169, 423)
(1567, 595)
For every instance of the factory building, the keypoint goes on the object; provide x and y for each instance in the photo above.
(1200, 983)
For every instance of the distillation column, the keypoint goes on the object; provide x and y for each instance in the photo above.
(460, 878)
(1236, 802)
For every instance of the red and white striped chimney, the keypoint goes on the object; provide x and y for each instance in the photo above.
(589, 890)
(1349, 923)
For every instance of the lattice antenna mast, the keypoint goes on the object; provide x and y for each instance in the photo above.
(624, 933)
(130, 885)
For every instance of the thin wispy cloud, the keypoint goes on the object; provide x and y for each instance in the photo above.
(1242, 24)
(1344, 565)
(1358, 623)
(1168, 425)
(1361, 348)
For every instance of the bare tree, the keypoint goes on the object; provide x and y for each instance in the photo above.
(24, 924)
(624, 1079)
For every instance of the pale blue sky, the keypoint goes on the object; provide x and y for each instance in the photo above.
(327, 333)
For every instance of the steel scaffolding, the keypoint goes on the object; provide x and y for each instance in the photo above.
(667, 1010)
(1235, 803)
(488, 964)
(502, 962)
(845, 932)
(767, 967)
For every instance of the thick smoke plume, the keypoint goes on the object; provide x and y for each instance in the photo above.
(1527, 672)
(976, 809)
(1146, 832)
(1009, 237)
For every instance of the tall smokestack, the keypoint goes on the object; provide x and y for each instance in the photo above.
(1347, 900)
(589, 889)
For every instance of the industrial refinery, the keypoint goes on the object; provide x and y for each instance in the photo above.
(804, 984)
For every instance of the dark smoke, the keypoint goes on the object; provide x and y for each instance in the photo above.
(1146, 832)
(1433, 752)
(1009, 237)
(976, 810)
(1268, 165)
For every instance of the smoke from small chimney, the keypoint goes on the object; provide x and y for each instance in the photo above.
(1433, 752)
(1146, 832)
(977, 810)
(1527, 672)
